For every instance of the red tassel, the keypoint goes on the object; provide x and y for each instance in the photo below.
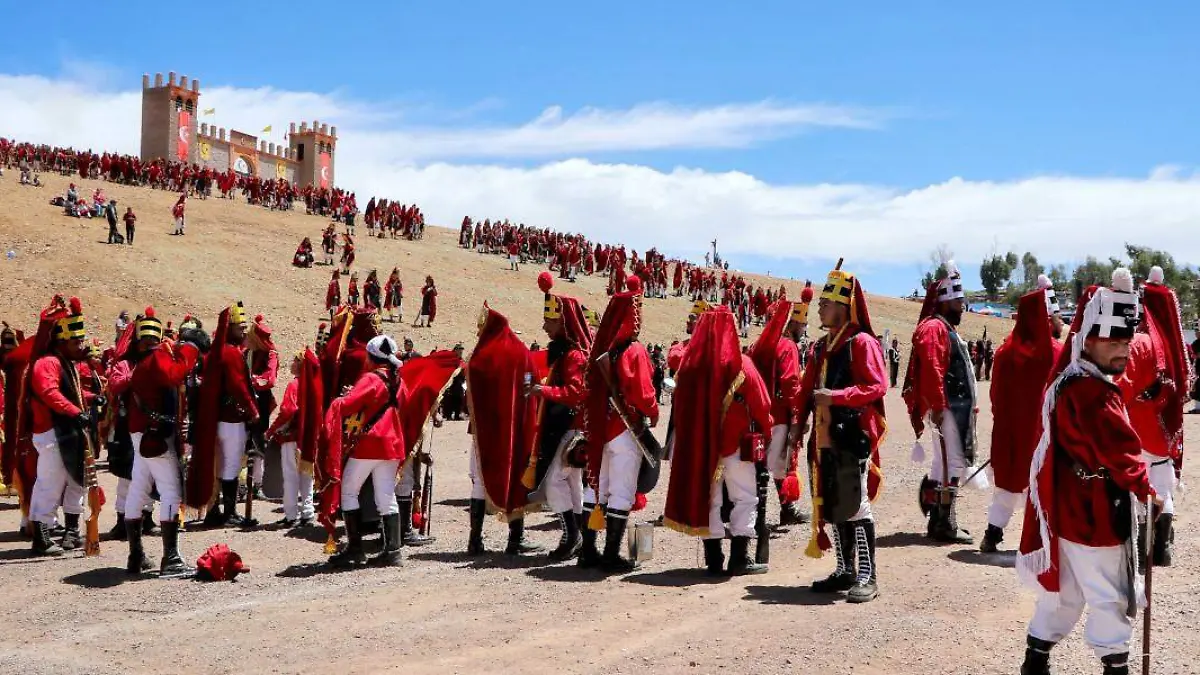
(149, 313)
(639, 502)
(258, 318)
(790, 492)
(418, 519)
(806, 295)
(545, 282)
(76, 306)
(823, 541)
(103, 498)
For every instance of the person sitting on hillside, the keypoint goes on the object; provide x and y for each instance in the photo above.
(71, 203)
(304, 254)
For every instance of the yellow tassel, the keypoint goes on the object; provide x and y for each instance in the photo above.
(330, 545)
(530, 474)
(596, 520)
(814, 549)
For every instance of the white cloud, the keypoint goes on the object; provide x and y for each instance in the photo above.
(1061, 218)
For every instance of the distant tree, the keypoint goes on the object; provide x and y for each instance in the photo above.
(995, 272)
(1179, 277)
(938, 258)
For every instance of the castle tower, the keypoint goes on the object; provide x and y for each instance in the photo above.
(169, 113)
(313, 151)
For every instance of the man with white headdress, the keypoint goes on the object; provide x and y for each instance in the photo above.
(1077, 546)
(939, 387)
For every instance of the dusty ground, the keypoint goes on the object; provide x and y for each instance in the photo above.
(942, 609)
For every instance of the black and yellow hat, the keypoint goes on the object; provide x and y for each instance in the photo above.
(148, 326)
(237, 314)
(552, 309)
(839, 286)
(73, 326)
(699, 307)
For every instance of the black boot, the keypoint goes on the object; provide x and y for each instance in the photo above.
(991, 539)
(172, 565)
(352, 554)
(714, 558)
(842, 578)
(1164, 540)
(935, 517)
(475, 541)
(70, 537)
(589, 555)
(866, 586)
(213, 517)
(389, 555)
(118, 531)
(516, 539)
(614, 536)
(148, 523)
(229, 503)
(790, 514)
(946, 529)
(740, 562)
(42, 543)
(137, 562)
(571, 541)
(409, 535)
(1116, 664)
(1037, 656)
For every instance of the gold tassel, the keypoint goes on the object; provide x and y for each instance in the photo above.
(530, 474)
(596, 520)
(330, 545)
(814, 549)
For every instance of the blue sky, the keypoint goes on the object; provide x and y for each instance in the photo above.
(1051, 102)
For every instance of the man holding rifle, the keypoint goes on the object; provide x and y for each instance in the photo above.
(843, 389)
(1077, 545)
(723, 409)
(616, 415)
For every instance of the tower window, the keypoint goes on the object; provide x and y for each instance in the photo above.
(299, 152)
(179, 103)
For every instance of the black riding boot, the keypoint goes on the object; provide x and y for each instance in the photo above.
(866, 586)
(389, 555)
(1116, 664)
(137, 562)
(478, 513)
(70, 538)
(991, 539)
(516, 539)
(352, 554)
(172, 564)
(1164, 540)
(714, 558)
(1037, 656)
(148, 523)
(118, 531)
(570, 542)
(790, 514)
(740, 562)
(42, 543)
(946, 529)
(229, 503)
(614, 536)
(589, 555)
(408, 534)
(843, 577)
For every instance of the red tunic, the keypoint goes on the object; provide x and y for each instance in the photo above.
(756, 409)
(150, 379)
(928, 364)
(385, 439)
(1145, 414)
(675, 355)
(237, 403)
(635, 374)
(569, 370)
(870, 383)
(333, 295)
(784, 400)
(46, 385)
(282, 429)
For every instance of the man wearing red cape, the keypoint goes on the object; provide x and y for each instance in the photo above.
(152, 379)
(368, 416)
(1020, 371)
(504, 431)
(226, 406)
(939, 388)
(295, 430)
(614, 458)
(563, 392)
(54, 414)
(1156, 384)
(777, 359)
(425, 380)
(264, 371)
(1077, 545)
(723, 410)
(11, 369)
(843, 389)
(676, 351)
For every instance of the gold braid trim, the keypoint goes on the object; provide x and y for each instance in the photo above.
(685, 529)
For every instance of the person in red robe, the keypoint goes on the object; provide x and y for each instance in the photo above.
(503, 429)
(614, 457)
(352, 294)
(842, 393)
(426, 379)
(263, 358)
(723, 411)
(1156, 385)
(293, 428)
(429, 295)
(393, 296)
(370, 413)
(177, 212)
(1020, 371)
(1077, 545)
(333, 294)
(777, 358)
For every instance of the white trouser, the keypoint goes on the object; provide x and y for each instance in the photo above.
(382, 473)
(777, 458)
(864, 507)
(1091, 577)
(407, 478)
(1004, 503)
(231, 437)
(740, 479)
(477, 489)
(954, 450)
(564, 484)
(122, 492)
(297, 487)
(1162, 479)
(618, 474)
(150, 472)
(179, 224)
(53, 484)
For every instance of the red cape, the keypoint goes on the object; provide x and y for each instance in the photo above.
(503, 420)
(1166, 330)
(200, 490)
(710, 373)
(311, 397)
(425, 378)
(765, 352)
(620, 324)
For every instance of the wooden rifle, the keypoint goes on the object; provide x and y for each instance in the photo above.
(604, 365)
(91, 540)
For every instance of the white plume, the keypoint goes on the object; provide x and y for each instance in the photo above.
(1044, 281)
(1156, 275)
(1122, 280)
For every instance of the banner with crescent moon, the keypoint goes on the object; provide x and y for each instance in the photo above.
(185, 130)
(324, 168)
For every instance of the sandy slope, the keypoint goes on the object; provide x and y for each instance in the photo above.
(942, 609)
